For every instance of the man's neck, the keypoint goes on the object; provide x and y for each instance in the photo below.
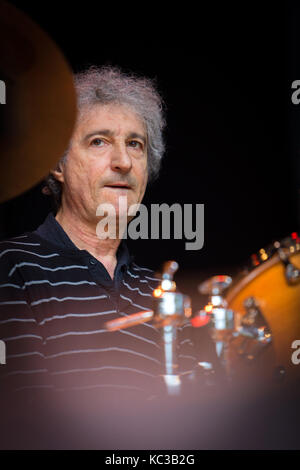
(84, 236)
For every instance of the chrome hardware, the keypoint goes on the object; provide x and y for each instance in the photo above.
(262, 334)
(171, 307)
(169, 269)
(222, 318)
(171, 310)
(292, 274)
(255, 330)
(215, 285)
(253, 324)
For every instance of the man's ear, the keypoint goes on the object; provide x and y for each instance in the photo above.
(58, 172)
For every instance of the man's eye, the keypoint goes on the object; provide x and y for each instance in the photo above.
(136, 144)
(97, 142)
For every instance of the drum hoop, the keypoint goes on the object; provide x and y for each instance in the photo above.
(250, 276)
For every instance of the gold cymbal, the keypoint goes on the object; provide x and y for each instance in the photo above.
(39, 114)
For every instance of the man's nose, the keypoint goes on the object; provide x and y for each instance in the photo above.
(121, 159)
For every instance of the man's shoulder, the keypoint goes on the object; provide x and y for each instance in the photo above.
(26, 243)
(20, 249)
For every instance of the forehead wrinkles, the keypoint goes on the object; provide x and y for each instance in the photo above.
(109, 113)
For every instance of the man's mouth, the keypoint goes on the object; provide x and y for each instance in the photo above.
(118, 186)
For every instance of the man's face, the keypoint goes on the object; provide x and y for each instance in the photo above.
(107, 159)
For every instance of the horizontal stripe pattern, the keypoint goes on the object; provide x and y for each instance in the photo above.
(52, 317)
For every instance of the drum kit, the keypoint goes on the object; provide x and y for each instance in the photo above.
(253, 319)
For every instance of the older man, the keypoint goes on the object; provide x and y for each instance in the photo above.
(61, 283)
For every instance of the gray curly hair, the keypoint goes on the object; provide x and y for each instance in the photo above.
(105, 85)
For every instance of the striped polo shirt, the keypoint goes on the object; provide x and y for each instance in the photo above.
(54, 302)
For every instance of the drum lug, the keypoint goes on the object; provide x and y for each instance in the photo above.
(292, 274)
(255, 331)
(253, 324)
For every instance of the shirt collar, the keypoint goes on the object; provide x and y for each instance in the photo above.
(52, 231)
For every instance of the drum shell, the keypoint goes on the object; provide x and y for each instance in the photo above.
(279, 303)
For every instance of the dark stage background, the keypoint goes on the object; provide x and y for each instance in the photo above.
(233, 135)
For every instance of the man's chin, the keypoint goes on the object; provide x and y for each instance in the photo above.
(119, 204)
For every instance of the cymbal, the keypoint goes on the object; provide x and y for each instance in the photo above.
(39, 113)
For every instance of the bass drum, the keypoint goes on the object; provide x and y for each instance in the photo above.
(269, 290)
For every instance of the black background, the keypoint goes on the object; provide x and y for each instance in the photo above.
(232, 135)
